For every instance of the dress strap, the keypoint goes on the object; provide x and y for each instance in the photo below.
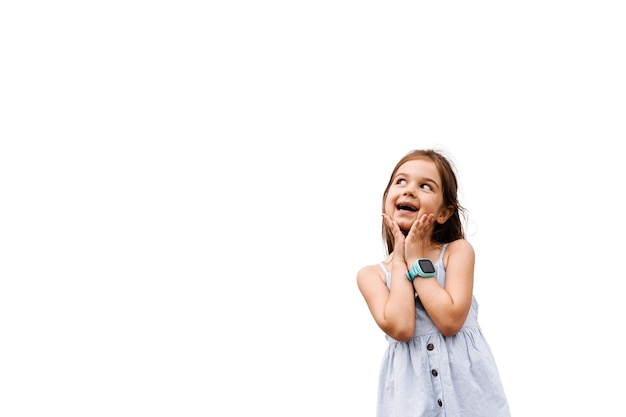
(443, 249)
(387, 275)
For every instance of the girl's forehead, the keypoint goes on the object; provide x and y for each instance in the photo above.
(421, 166)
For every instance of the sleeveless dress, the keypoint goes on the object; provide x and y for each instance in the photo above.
(435, 375)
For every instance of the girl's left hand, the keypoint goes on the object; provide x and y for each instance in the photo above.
(418, 237)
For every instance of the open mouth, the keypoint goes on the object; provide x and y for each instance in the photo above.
(406, 206)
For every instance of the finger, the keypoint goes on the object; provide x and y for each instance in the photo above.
(398, 236)
(388, 221)
(413, 229)
(392, 224)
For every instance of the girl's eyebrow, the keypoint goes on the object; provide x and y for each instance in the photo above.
(399, 174)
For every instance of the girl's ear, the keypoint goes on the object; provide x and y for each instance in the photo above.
(445, 214)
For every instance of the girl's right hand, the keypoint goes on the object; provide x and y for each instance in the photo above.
(398, 238)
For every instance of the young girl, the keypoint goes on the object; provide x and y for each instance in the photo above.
(438, 362)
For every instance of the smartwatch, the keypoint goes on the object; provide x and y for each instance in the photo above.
(423, 267)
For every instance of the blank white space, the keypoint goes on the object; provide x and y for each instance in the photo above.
(189, 189)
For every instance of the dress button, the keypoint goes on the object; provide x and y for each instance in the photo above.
(430, 346)
(440, 403)
(434, 372)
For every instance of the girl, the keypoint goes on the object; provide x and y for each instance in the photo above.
(438, 362)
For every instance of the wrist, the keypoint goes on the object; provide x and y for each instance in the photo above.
(422, 267)
(411, 261)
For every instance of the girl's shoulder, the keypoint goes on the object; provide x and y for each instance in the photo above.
(373, 269)
(370, 272)
(459, 247)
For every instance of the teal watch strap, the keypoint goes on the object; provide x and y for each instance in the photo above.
(423, 267)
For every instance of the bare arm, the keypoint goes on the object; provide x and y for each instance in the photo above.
(393, 309)
(448, 306)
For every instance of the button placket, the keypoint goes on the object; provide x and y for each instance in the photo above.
(432, 355)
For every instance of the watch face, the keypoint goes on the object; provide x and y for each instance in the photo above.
(427, 266)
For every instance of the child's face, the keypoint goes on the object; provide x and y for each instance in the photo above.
(415, 190)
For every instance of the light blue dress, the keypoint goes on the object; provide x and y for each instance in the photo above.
(434, 375)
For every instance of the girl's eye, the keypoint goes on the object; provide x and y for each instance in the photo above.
(426, 186)
(401, 181)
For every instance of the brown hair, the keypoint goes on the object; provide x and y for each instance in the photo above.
(452, 229)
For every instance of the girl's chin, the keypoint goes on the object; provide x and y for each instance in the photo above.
(404, 225)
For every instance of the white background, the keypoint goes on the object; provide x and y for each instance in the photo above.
(188, 190)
